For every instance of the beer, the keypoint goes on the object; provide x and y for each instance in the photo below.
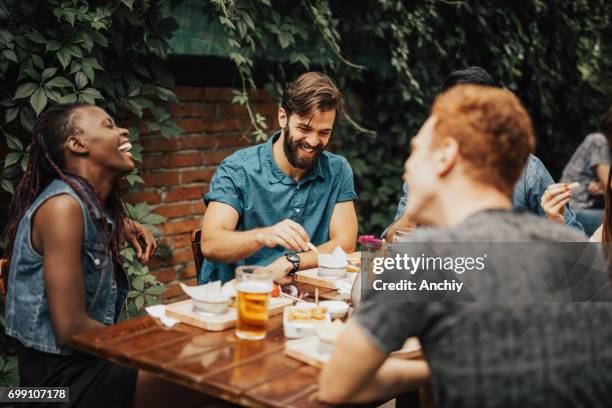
(253, 289)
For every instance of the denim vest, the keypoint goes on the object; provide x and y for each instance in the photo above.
(27, 315)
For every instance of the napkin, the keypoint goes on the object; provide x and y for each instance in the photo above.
(159, 312)
(336, 259)
(210, 292)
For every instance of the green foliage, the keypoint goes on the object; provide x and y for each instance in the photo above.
(109, 53)
(391, 57)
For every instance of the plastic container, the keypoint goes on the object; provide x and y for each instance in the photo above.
(301, 328)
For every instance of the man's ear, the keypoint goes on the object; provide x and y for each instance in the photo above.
(283, 119)
(75, 145)
(447, 154)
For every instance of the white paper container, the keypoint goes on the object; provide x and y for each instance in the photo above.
(298, 329)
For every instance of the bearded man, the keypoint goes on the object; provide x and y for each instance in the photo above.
(267, 202)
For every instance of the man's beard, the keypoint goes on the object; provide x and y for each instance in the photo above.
(292, 148)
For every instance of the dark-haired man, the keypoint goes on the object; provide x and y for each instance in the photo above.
(268, 202)
(508, 345)
(531, 192)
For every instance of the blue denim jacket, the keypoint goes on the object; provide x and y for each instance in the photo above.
(27, 316)
(527, 193)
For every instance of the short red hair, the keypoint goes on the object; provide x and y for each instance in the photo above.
(492, 128)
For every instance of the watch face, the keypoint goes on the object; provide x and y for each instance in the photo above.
(293, 257)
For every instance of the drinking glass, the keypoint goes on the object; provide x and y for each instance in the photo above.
(253, 286)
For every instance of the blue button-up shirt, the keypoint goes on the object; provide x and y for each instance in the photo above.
(252, 183)
(527, 194)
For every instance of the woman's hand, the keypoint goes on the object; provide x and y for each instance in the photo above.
(554, 200)
(133, 233)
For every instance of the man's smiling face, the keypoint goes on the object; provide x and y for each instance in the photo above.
(306, 137)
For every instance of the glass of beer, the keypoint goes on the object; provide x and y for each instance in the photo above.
(253, 285)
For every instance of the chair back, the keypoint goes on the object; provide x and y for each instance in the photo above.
(198, 258)
(3, 278)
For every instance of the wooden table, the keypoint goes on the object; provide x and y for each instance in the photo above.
(252, 373)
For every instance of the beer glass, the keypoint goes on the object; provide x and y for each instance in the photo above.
(253, 286)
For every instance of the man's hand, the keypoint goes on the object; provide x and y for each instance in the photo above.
(286, 233)
(596, 188)
(280, 268)
(135, 231)
(554, 200)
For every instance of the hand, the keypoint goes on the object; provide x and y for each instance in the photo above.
(595, 187)
(554, 200)
(286, 233)
(135, 231)
(280, 268)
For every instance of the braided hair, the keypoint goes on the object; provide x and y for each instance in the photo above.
(53, 127)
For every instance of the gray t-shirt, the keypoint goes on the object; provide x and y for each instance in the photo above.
(593, 150)
(515, 351)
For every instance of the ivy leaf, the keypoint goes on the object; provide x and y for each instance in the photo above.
(38, 100)
(64, 57)
(38, 61)
(60, 82)
(25, 90)
(10, 55)
(139, 302)
(7, 185)
(133, 179)
(13, 143)
(153, 219)
(35, 37)
(70, 98)
(12, 158)
(81, 80)
(128, 3)
(92, 93)
(53, 45)
(11, 114)
(169, 129)
(48, 73)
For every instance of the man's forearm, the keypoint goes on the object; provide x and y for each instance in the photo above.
(229, 246)
(309, 259)
(395, 377)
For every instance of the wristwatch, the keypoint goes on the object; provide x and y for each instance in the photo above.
(295, 261)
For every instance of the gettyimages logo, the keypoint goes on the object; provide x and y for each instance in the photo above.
(489, 271)
(412, 264)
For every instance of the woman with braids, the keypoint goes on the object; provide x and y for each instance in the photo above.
(66, 228)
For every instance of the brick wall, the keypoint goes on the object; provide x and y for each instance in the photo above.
(177, 171)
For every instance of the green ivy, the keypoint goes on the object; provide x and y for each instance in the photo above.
(106, 53)
(391, 57)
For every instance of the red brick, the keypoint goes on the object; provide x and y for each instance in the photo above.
(184, 193)
(191, 125)
(151, 161)
(140, 196)
(259, 95)
(181, 256)
(232, 141)
(176, 210)
(189, 93)
(192, 176)
(184, 160)
(184, 240)
(197, 142)
(155, 263)
(187, 272)
(222, 125)
(165, 275)
(193, 110)
(173, 227)
(217, 157)
(160, 144)
(232, 109)
(266, 109)
(158, 179)
(218, 94)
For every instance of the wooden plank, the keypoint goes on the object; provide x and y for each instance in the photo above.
(183, 311)
(286, 387)
(250, 374)
(312, 276)
(94, 339)
(238, 352)
(183, 349)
